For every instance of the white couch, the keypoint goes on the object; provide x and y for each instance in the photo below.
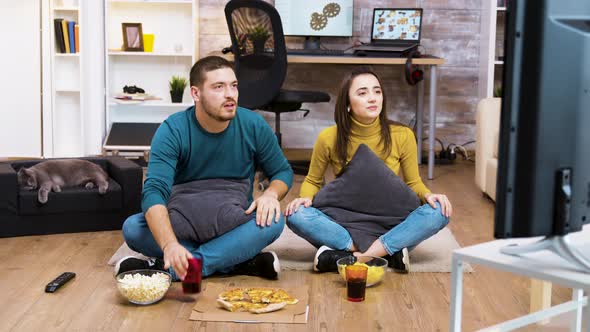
(487, 124)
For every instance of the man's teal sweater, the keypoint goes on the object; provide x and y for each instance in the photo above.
(182, 151)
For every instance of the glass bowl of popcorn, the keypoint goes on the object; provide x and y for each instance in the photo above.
(143, 286)
(376, 267)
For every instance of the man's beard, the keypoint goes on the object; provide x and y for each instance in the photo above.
(210, 110)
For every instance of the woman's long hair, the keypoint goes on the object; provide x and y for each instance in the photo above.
(344, 121)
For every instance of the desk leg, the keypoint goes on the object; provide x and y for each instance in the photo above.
(431, 122)
(420, 118)
(456, 295)
(577, 295)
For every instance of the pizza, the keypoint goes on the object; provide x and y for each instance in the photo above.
(260, 295)
(256, 299)
(234, 294)
(256, 308)
(281, 295)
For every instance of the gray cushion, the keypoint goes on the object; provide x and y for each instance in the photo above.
(202, 210)
(367, 198)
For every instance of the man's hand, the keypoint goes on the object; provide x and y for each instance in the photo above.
(267, 208)
(177, 256)
(294, 205)
(445, 204)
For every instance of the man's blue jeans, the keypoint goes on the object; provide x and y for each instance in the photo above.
(219, 254)
(319, 229)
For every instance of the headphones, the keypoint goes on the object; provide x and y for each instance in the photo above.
(413, 73)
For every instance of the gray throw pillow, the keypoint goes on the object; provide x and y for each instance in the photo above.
(202, 210)
(367, 198)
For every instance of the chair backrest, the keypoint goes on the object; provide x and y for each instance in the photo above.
(258, 45)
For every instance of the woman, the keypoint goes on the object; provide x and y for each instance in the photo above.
(361, 118)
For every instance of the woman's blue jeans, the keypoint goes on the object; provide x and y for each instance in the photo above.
(319, 229)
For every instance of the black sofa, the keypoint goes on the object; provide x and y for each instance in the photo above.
(73, 209)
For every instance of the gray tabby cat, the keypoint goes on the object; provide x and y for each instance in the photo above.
(57, 174)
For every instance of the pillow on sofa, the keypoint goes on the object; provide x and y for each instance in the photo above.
(367, 198)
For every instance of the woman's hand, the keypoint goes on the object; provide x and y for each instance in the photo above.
(294, 205)
(445, 204)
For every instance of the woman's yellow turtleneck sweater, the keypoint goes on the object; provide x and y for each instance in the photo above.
(403, 155)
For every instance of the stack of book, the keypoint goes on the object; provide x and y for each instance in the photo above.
(67, 36)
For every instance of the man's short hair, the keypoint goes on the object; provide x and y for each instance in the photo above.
(205, 65)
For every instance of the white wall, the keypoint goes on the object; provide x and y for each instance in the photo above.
(20, 79)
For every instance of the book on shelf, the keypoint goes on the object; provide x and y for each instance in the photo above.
(77, 37)
(64, 27)
(59, 39)
(72, 37)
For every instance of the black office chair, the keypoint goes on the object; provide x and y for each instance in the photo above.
(258, 45)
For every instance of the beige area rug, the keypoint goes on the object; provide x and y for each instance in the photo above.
(432, 255)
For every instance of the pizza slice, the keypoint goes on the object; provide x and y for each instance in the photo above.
(268, 308)
(234, 294)
(257, 308)
(260, 295)
(280, 295)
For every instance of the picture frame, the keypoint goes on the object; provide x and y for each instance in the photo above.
(132, 37)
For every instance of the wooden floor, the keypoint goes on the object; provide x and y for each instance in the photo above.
(413, 302)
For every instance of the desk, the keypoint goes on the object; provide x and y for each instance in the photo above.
(432, 62)
(541, 265)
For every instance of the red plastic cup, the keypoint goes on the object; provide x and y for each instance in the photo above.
(192, 281)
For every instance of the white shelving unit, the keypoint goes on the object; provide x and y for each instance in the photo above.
(65, 116)
(174, 25)
(493, 19)
(149, 54)
(73, 83)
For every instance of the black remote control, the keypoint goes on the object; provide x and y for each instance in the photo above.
(61, 280)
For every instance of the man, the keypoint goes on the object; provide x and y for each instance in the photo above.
(215, 139)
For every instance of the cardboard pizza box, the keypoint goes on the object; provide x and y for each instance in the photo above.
(207, 308)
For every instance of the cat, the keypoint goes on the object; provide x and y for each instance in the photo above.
(57, 174)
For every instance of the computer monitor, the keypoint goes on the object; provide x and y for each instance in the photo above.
(543, 184)
(316, 18)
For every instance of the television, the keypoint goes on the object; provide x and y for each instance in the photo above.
(543, 183)
(316, 18)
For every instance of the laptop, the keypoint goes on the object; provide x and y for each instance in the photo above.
(394, 30)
